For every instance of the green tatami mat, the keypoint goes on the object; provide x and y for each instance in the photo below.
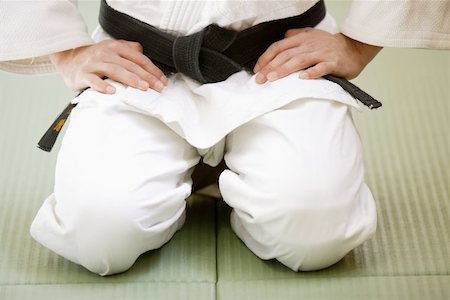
(108, 291)
(406, 148)
(342, 288)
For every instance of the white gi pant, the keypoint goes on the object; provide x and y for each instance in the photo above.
(295, 183)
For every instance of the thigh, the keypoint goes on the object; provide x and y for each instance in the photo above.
(304, 144)
(110, 152)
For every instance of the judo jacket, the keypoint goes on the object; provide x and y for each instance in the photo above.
(31, 30)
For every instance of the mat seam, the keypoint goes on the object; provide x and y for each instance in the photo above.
(343, 277)
(216, 234)
(108, 283)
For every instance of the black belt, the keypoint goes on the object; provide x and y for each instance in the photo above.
(209, 55)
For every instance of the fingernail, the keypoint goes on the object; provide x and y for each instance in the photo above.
(159, 86)
(143, 85)
(164, 79)
(110, 90)
(303, 75)
(272, 76)
(260, 78)
(256, 68)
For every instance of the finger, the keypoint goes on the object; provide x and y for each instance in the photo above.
(296, 53)
(134, 45)
(98, 84)
(120, 74)
(151, 79)
(133, 51)
(317, 71)
(294, 64)
(275, 49)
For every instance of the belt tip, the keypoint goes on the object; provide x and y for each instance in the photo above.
(44, 148)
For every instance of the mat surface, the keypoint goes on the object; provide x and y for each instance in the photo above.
(406, 152)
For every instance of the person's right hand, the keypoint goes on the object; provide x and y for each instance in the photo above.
(119, 60)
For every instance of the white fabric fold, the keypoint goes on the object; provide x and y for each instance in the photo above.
(204, 114)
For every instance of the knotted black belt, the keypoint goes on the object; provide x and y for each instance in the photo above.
(209, 55)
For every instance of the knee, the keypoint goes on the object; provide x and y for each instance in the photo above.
(108, 230)
(308, 223)
(107, 237)
(311, 238)
(112, 234)
(314, 246)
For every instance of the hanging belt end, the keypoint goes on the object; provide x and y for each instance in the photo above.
(375, 105)
(44, 148)
(48, 140)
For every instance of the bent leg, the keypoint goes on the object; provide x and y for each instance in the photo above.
(296, 184)
(120, 188)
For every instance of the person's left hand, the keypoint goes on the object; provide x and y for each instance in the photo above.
(317, 53)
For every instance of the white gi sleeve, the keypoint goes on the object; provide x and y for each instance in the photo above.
(400, 23)
(31, 30)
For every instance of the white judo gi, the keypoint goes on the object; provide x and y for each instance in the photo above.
(295, 176)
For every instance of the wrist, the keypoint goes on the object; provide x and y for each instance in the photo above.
(57, 58)
(365, 52)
